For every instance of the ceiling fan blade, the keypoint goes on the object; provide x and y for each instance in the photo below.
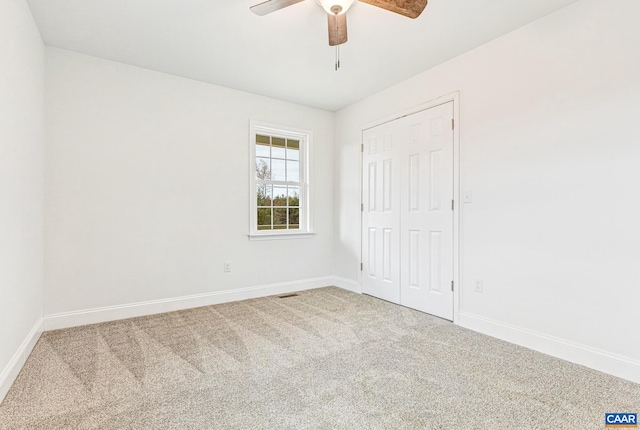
(408, 8)
(337, 29)
(271, 6)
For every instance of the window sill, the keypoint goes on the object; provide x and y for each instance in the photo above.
(280, 236)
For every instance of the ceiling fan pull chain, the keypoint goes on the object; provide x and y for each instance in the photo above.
(336, 11)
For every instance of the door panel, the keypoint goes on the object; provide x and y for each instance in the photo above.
(427, 217)
(381, 243)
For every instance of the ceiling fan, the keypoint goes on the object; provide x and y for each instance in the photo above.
(337, 17)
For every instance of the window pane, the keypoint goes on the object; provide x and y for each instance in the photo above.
(263, 151)
(263, 171)
(278, 147)
(280, 218)
(294, 218)
(293, 150)
(263, 148)
(279, 196)
(264, 219)
(294, 196)
(263, 192)
(293, 171)
(262, 139)
(277, 170)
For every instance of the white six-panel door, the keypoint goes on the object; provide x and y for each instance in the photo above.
(381, 221)
(407, 215)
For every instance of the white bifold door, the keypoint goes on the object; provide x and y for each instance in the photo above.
(407, 219)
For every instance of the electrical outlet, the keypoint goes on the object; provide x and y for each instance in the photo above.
(227, 266)
(478, 286)
(467, 196)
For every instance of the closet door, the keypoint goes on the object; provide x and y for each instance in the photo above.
(380, 215)
(426, 212)
(407, 219)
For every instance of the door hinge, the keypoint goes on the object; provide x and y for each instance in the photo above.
(451, 204)
(451, 285)
(362, 147)
(453, 121)
(361, 207)
(361, 266)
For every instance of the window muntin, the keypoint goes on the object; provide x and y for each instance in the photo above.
(279, 201)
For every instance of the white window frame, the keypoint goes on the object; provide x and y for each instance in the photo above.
(305, 219)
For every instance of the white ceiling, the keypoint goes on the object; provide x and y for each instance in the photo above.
(284, 55)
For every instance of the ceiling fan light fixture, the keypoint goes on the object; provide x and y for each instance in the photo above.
(336, 7)
(336, 14)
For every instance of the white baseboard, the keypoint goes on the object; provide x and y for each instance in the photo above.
(13, 368)
(347, 284)
(613, 364)
(130, 310)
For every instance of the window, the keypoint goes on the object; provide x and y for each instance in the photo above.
(279, 182)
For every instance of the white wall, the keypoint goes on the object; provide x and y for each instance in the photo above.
(21, 186)
(146, 193)
(549, 135)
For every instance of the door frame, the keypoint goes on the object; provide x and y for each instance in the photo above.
(451, 97)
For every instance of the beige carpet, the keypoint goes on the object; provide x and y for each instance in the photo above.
(325, 359)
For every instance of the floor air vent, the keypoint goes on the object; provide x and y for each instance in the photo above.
(286, 296)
